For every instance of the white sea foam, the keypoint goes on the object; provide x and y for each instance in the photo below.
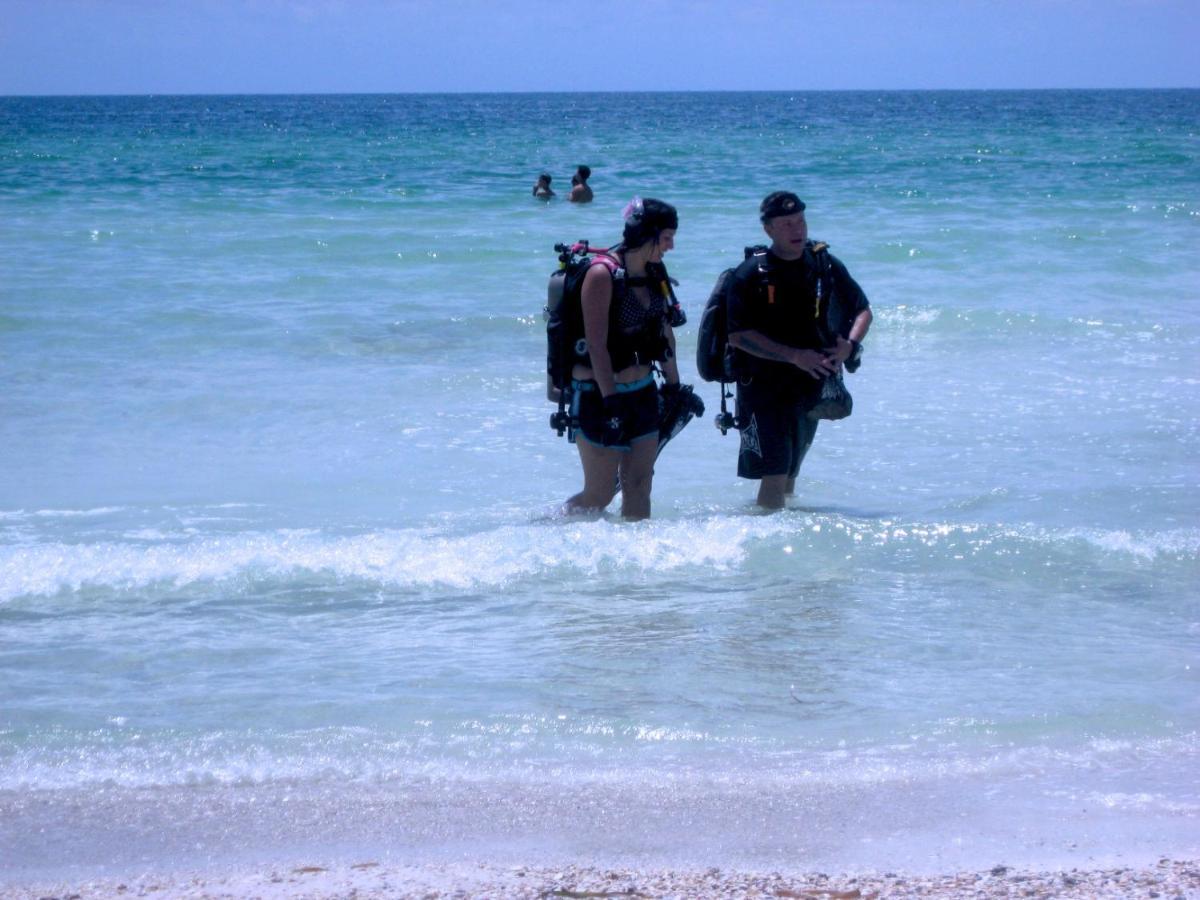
(20, 514)
(515, 749)
(418, 558)
(1181, 542)
(399, 558)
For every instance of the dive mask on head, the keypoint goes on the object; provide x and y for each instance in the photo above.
(633, 211)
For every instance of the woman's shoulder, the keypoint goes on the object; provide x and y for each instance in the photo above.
(601, 271)
(604, 262)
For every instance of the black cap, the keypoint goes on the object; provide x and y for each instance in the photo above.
(780, 203)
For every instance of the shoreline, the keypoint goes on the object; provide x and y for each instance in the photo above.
(1169, 879)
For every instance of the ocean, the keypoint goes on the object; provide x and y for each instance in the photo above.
(279, 572)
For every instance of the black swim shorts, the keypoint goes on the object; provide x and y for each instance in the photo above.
(776, 430)
(587, 411)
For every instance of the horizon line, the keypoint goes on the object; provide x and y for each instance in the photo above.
(476, 93)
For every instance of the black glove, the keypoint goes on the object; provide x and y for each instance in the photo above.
(614, 421)
(684, 395)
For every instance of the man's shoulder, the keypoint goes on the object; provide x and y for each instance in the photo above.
(747, 276)
(755, 265)
(848, 289)
(821, 252)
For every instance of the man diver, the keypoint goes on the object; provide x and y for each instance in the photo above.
(782, 346)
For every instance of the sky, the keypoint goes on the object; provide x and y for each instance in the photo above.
(399, 46)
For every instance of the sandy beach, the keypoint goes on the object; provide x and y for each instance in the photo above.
(1166, 879)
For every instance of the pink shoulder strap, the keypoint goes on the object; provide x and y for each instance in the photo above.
(605, 260)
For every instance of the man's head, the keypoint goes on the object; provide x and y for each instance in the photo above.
(779, 203)
(782, 216)
(584, 173)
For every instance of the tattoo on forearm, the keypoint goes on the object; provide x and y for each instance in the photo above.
(750, 345)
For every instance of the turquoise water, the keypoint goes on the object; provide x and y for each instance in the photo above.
(275, 564)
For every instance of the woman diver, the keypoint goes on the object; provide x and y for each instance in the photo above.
(614, 397)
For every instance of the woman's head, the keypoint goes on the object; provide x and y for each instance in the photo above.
(646, 219)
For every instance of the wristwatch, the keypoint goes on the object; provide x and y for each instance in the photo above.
(856, 353)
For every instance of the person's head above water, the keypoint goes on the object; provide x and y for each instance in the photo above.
(580, 191)
(646, 219)
(542, 189)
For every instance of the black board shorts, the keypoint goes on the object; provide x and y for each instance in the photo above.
(587, 411)
(775, 429)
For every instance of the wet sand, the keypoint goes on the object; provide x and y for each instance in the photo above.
(1168, 879)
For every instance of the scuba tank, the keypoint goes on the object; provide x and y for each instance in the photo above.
(564, 326)
(555, 291)
(561, 320)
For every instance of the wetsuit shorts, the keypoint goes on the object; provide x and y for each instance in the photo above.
(775, 427)
(587, 411)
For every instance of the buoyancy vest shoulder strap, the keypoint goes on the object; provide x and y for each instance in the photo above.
(615, 269)
(824, 287)
(824, 277)
(762, 270)
(820, 251)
